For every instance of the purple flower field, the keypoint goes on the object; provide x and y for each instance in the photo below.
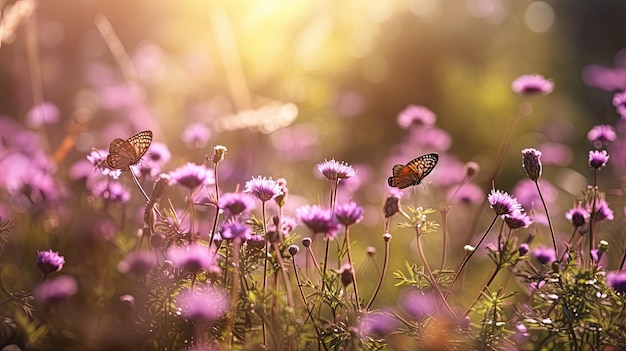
(379, 175)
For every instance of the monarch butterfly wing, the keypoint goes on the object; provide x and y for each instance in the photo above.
(396, 170)
(140, 143)
(400, 182)
(423, 165)
(121, 154)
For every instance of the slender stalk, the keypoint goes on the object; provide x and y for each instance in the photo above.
(592, 238)
(382, 275)
(217, 210)
(429, 273)
(285, 277)
(356, 289)
(325, 266)
(235, 290)
(458, 272)
(263, 326)
(545, 207)
(306, 305)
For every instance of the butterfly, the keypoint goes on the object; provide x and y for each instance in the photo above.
(413, 172)
(125, 153)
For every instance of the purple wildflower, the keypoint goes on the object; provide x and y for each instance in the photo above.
(557, 154)
(523, 249)
(532, 163)
(49, 261)
(44, 113)
(209, 303)
(234, 204)
(544, 255)
(191, 176)
(196, 135)
(377, 324)
(191, 258)
(525, 191)
(517, 219)
(469, 193)
(285, 227)
(602, 210)
(416, 116)
(349, 213)
(98, 159)
(617, 281)
(319, 220)
(532, 84)
(577, 215)
(56, 289)
(158, 154)
(416, 303)
(598, 159)
(111, 190)
(619, 101)
(138, 263)
(232, 230)
(334, 170)
(262, 188)
(502, 203)
(601, 135)
(431, 138)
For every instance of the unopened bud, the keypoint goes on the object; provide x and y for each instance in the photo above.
(386, 237)
(371, 251)
(306, 242)
(293, 250)
(471, 169)
(468, 249)
(346, 275)
(392, 206)
(603, 246)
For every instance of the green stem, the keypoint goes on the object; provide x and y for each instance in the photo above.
(458, 272)
(545, 207)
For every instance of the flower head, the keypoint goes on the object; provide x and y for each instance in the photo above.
(602, 210)
(49, 261)
(138, 263)
(346, 275)
(601, 135)
(209, 303)
(263, 189)
(416, 115)
(56, 289)
(392, 204)
(196, 135)
(503, 203)
(234, 204)
(377, 325)
(417, 303)
(532, 84)
(544, 255)
(598, 159)
(532, 163)
(191, 176)
(619, 101)
(44, 113)
(517, 219)
(319, 220)
(98, 158)
(577, 215)
(334, 170)
(191, 258)
(617, 281)
(349, 213)
(232, 229)
(111, 190)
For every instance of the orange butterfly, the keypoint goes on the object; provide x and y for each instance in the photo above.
(125, 153)
(413, 172)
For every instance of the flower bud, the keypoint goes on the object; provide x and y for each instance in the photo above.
(392, 206)
(293, 250)
(386, 237)
(532, 163)
(306, 242)
(218, 153)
